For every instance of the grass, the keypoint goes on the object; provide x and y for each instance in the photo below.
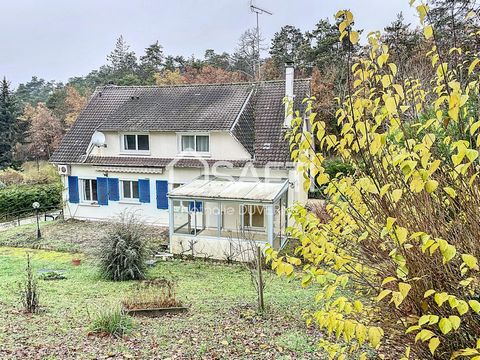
(221, 322)
(68, 236)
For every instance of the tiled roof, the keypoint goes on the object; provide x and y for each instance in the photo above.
(253, 114)
(270, 144)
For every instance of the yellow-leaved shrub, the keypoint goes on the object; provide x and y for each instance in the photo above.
(397, 259)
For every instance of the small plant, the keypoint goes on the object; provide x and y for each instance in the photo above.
(110, 320)
(28, 290)
(123, 252)
(52, 275)
(152, 294)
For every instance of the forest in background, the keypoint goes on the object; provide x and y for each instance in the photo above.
(35, 116)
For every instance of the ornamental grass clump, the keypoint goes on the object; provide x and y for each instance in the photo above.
(110, 320)
(123, 252)
(403, 228)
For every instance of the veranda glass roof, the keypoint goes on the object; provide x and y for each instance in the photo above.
(231, 189)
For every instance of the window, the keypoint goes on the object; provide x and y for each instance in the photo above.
(135, 142)
(130, 190)
(89, 190)
(179, 205)
(253, 216)
(195, 143)
(201, 144)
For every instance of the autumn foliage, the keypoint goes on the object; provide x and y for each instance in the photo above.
(397, 260)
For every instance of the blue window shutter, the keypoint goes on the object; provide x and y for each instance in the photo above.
(102, 190)
(113, 192)
(162, 190)
(199, 205)
(73, 196)
(144, 190)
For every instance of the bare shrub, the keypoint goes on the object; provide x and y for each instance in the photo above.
(152, 294)
(11, 177)
(28, 290)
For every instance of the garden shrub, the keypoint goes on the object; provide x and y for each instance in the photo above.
(403, 228)
(123, 252)
(333, 168)
(337, 167)
(111, 320)
(18, 200)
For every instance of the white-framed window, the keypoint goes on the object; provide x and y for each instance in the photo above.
(129, 190)
(135, 143)
(179, 205)
(253, 216)
(88, 190)
(194, 143)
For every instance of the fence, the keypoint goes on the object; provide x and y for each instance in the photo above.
(27, 216)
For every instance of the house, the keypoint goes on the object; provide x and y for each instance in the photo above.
(209, 161)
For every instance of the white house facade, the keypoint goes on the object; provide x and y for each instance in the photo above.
(208, 161)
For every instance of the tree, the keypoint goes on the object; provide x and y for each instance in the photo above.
(288, 45)
(212, 75)
(34, 91)
(75, 103)
(169, 77)
(403, 42)
(8, 124)
(175, 62)
(326, 48)
(247, 57)
(222, 61)
(325, 89)
(453, 23)
(122, 60)
(45, 132)
(271, 71)
(151, 62)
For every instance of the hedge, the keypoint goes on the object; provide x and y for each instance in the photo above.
(18, 199)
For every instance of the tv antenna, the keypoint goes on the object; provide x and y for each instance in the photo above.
(258, 11)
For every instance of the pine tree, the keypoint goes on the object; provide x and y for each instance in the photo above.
(152, 62)
(288, 45)
(8, 125)
(326, 48)
(122, 60)
(403, 42)
(452, 24)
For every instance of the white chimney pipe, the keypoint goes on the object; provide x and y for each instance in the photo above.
(289, 77)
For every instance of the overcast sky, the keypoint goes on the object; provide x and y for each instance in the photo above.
(58, 39)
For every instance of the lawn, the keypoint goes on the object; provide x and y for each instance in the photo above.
(70, 236)
(221, 322)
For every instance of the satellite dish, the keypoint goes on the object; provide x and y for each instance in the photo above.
(98, 139)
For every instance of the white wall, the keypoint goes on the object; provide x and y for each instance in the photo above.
(165, 145)
(212, 247)
(147, 211)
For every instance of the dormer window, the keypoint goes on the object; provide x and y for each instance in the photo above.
(194, 143)
(135, 143)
